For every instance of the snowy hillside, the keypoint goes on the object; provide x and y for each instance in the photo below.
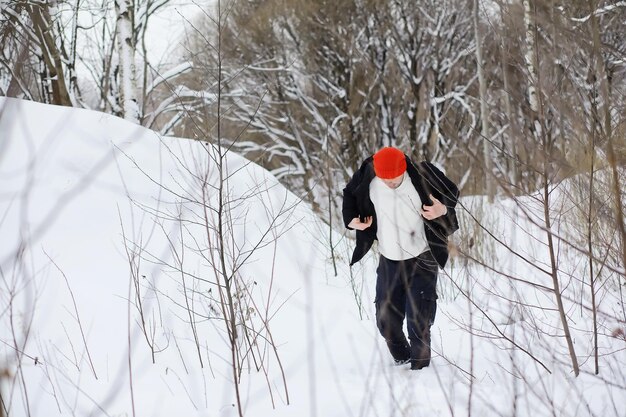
(110, 300)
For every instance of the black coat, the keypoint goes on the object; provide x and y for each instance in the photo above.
(426, 179)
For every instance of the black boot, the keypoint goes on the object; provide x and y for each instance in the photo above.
(400, 351)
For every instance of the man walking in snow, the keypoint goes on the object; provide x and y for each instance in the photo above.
(409, 209)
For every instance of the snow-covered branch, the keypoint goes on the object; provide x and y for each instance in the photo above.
(599, 12)
(169, 75)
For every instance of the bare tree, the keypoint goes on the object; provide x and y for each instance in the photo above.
(31, 33)
(51, 49)
(127, 46)
(484, 117)
(209, 225)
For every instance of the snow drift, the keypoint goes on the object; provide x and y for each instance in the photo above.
(109, 293)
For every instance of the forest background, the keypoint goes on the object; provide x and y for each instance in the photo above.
(311, 88)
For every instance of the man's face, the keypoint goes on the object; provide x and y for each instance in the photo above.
(393, 182)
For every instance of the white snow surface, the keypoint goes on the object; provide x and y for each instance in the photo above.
(74, 182)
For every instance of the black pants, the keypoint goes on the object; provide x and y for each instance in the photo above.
(407, 289)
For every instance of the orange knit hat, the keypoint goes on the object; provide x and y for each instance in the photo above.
(389, 163)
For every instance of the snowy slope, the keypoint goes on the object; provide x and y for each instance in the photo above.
(80, 191)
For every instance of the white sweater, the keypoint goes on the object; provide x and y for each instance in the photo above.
(400, 226)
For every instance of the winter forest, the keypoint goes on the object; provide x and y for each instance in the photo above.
(171, 184)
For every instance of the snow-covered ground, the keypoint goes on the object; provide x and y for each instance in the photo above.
(89, 201)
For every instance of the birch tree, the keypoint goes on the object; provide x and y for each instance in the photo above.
(127, 69)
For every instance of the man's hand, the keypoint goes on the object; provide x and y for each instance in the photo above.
(357, 224)
(434, 211)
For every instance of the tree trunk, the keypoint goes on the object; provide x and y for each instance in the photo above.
(530, 57)
(16, 85)
(126, 45)
(514, 134)
(484, 117)
(42, 22)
